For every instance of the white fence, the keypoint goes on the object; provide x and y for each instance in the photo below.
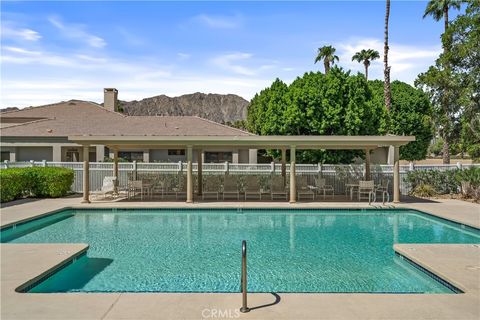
(335, 175)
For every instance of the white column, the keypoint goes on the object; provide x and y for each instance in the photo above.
(57, 153)
(146, 155)
(86, 175)
(396, 175)
(252, 156)
(100, 152)
(199, 172)
(284, 166)
(13, 154)
(367, 164)
(235, 156)
(293, 182)
(189, 175)
(115, 167)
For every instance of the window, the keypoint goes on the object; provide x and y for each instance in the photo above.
(5, 155)
(218, 157)
(131, 155)
(176, 152)
(72, 155)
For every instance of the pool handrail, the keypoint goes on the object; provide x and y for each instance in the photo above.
(243, 281)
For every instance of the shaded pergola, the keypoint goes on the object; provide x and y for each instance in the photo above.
(198, 143)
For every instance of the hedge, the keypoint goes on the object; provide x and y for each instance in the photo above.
(42, 182)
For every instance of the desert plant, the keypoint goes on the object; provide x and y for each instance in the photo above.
(424, 191)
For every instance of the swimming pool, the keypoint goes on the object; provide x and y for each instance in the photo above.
(199, 250)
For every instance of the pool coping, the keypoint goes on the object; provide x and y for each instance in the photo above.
(121, 305)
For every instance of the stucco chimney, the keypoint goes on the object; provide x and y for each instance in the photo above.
(110, 99)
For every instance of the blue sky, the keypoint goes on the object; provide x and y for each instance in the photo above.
(54, 51)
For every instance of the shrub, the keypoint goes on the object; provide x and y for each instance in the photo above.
(443, 182)
(45, 182)
(424, 191)
(469, 180)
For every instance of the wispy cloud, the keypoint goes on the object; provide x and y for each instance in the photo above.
(77, 32)
(183, 56)
(20, 33)
(21, 51)
(230, 62)
(406, 61)
(220, 22)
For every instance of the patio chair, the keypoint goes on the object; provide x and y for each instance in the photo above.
(383, 188)
(134, 188)
(230, 186)
(181, 188)
(210, 187)
(277, 188)
(366, 190)
(108, 188)
(252, 187)
(322, 187)
(303, 189)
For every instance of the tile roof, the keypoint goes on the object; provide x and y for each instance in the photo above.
(87, 118)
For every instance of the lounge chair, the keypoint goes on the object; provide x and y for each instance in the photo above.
(210, 187)
(277, 188)
(322, 187)
(230, 186)
(303, 189)
(108, 188)
(252, 187)
(366, 190)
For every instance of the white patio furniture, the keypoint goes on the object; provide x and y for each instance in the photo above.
(181, 189)
(134, 188)
(322, 187)
(108, 188)
(303, 190)
(230, 186)
(252, 187)
(383, 188)
(210, 187)
(366, 190)
(277, 188)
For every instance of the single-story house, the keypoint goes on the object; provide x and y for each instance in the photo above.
(41, 133)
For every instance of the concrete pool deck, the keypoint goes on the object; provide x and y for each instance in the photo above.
(458, 264)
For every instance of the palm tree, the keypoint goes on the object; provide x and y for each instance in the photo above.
(366, 56)
(327, 54)
(386, 69)
(438, 9)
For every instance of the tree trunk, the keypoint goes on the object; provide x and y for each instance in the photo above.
(386, 89)
(326, 64)
(366, 70)
(446, 152)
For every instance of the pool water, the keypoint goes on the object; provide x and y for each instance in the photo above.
(199, 250)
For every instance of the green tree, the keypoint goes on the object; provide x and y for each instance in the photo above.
(365, 57)
(444, 90)
(410, 115)
(327, 54)
(317, 104)
(439, 9)
(463, 58)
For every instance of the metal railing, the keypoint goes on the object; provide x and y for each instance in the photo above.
(243, 281)
(335, 175)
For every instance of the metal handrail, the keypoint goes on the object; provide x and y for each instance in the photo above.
(243, 282)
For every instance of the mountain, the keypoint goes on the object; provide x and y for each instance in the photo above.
(9, 109)
(216, 107)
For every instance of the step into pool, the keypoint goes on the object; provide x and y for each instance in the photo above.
(199, 250)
